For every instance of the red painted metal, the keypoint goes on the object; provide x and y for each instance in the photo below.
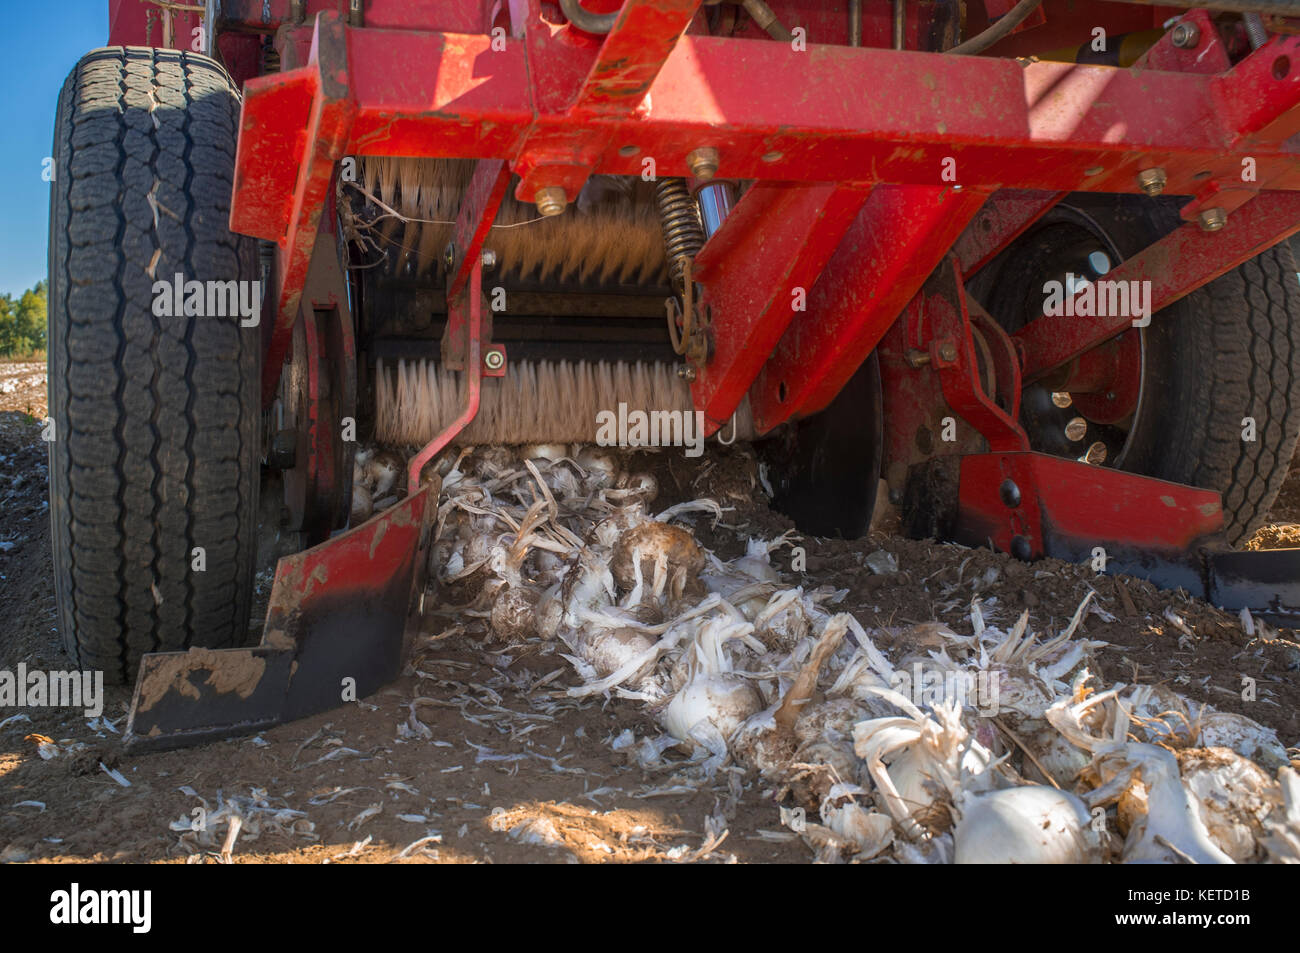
(469, 304)
(1208, 55)
(1001, 220)
(554, 105)
(1258, 98)
(1068, 23)
(169, 26)
(340, 610)
(561, 154)
(1001, 355)
(632, 55)
(478, 210)
(898, 238)
(1064, 508)
(914, 407)
(768, 253)
(1104, 384)
(1071, 126)
(314, 145)
(952, 355)
(357, 96)
(1177, 265)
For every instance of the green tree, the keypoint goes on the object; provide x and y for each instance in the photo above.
(22, 322)
(8, 327)
(30, 317)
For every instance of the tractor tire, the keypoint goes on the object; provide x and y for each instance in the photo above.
(154, 453)
(1223, 354)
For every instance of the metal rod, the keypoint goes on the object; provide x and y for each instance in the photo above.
(715, 200)
(899, 18)
(762, 14)
(855, 22)
(472, 301)
(1004, 25)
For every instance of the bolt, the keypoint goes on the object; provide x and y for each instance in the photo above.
(489, 258)
(1021, 549)
(1213, 219)
(550, 200)
(1010, 493)
(686, 372)
(1152, 181)
(917, 358)
(703, 163)
(1185, 36)
(948, 352)
(494, 360)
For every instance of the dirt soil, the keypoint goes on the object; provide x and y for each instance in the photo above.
(475, 755)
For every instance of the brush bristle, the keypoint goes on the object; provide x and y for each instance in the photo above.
(544, 401)
(611, 234)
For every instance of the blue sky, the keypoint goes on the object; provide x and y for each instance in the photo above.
(39, 45)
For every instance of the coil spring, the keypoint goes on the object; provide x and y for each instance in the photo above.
(680, 219)
(270, 57)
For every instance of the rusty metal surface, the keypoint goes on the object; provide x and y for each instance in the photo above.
(337, 628)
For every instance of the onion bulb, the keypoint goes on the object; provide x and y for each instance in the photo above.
(514, 614)
(724, 700)
(608, 650)
(1024, 825)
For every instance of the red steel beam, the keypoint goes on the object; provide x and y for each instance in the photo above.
(1176, 265)
(1064, 508)
(318, 144)
(899, 236)
(1069, 126)
(952, 355)
(1003, 219)
(478, 210)
(1258, 98)
(631, 56)
(771, 246)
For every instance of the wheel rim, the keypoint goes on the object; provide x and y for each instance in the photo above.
(1085, 410)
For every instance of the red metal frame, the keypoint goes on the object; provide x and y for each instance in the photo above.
(770, 248)
(899, 237)
(1177, 265)
(941, 161)
(1071, 507)
(560, 105)
(466, 309)
(961, 156)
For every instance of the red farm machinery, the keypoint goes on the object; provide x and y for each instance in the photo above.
(1021, 266)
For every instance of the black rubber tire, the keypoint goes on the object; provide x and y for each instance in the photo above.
(1228, 351)
(155, 419)
(824, 471)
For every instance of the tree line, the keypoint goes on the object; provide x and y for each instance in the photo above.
(22, 321)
